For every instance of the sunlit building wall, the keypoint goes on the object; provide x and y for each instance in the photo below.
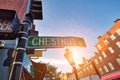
(105, 64)
(107, 59)
(87, 71)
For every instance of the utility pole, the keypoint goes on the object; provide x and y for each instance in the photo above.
(33, 12)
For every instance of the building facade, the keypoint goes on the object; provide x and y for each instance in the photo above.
(88, 71)
(107, 59)
(105, 64)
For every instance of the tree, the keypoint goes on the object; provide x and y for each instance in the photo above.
(52, 73)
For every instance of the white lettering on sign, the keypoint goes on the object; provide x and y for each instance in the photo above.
(41, 41)
(34, 40)
(53, 41)
(50, 42)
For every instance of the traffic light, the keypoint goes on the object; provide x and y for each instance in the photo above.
(37, 9)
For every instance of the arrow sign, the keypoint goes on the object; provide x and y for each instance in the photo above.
(54, 42)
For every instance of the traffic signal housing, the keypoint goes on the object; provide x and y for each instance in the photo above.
(37, 9)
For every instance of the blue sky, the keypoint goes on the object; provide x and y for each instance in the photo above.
(82, 18)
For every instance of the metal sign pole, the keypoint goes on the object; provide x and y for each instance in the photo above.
(16, 70)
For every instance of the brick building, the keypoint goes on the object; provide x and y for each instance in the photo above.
(105, 64)
(107, 59)
(87, 70)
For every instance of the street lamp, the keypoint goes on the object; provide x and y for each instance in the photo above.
(69, 56)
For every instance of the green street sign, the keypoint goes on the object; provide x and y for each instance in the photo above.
(54, 42)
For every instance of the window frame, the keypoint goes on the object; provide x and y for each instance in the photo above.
(118, 60)
(96, 61)
(112, 36)
(105, 68)
(101, 71)
(118, 44)
(111, 66)
(106, 42)
(118, 31)
(104, 54)
(100, 58)
(111, 50)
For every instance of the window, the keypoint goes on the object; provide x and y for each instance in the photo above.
(100, 58)
(106, 69)
(91, 66)
(96, 61)
(112, 37)
(111, 50)
(103, 53)
(99, 47)
(101, 71)
(87, 68)
(118, 43)
(111, 66)
(118, 60)
(118, 31)
(106, 41)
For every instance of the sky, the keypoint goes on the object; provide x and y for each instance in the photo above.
(87, 19)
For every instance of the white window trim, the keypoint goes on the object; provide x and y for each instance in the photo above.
(111, 50)
(118, 44)
(106, 42)
(96, 61)
(106, 69)
(91, 67)
(111, 66)
(104, 54)
(118, 60)
(112, 37)
(100, 58)
(101, 71)
(118, 31)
